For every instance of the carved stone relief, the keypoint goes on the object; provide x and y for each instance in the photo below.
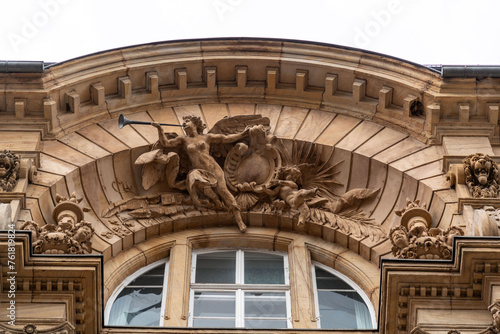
(239, 166)
(481, 176)
(71, 235)
(415, 239)
(9, 169)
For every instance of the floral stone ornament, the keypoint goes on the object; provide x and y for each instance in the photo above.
(415, 239)
(9, 170)
(481, 176)
(71, 235)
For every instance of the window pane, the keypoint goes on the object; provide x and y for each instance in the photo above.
(216, 267)
(137, 307)
(214, 323)
(265, 304)
(343, 310)
(265, 323)
(214, 304)
(152, 277)
(325, 280)
(264, 268)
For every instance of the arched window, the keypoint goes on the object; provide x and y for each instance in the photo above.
(340, 303)
(140, 299)
(240, 288)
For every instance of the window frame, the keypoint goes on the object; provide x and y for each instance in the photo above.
(239, 287)
(129, 279)
(348, 281)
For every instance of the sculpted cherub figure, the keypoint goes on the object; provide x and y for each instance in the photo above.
(287, 188)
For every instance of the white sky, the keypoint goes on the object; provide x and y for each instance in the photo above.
(421, 31)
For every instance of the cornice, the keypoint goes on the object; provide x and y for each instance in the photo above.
(331, 78)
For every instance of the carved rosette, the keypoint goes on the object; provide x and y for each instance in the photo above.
(481, 176)
(9, 170)
(71, 235)
(414, 239)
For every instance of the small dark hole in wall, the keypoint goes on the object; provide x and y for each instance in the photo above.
(416, 108)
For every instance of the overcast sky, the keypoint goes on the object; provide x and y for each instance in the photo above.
(422, 31)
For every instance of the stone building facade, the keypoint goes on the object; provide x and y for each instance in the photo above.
(316, 187)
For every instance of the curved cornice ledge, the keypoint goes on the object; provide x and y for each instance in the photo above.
(369, 86)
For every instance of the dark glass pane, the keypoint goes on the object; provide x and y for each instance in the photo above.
(214, 304)
(154, 276)
(214, 323)
(216, 268)
(264, 268)
(265, 323)
(137, 307)
(343, 310)
(325, 280)
(265, 304)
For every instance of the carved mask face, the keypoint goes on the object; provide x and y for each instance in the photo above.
(5, 166)
(67, 220)
(417, 227)
(83, 234)
(400, 239)
(482, 170)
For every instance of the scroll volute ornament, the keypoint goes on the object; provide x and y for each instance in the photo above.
(71, 234)
(415, 239)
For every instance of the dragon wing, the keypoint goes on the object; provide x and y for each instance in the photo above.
(233, 125)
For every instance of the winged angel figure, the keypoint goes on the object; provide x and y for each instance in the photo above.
(192, 159)
(238, 166)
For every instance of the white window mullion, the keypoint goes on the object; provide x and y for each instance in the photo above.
(240, 308)
(316, 303)
(289, 320)
(287, 273)
(164, 294)
(240, 267)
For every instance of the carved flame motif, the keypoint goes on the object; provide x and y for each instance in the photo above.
(238, 166)
(481, 176)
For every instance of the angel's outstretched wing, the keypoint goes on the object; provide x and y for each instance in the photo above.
(156, 162)
(152, 171)
(232, 125)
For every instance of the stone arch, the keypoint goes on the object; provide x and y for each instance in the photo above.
(356, 106)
